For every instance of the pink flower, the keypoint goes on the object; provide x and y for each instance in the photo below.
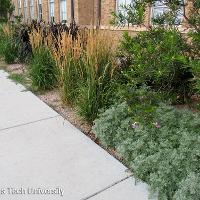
(135, 125)
(157, 125)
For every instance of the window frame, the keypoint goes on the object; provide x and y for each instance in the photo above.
(40, 14)
(61, 12)
(118, 9)
(25, 9)
(19, 7)
(164, 6)
(118, 5)
(31, 8)
(51, 10)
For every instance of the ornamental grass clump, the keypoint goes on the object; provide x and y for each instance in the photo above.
(99, 67)
(57, 41)
(67, 55)
(42, 69)
(86, 66)
(39, 38)
(85, 62)
(42, 66)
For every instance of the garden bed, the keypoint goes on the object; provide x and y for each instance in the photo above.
(139, 101)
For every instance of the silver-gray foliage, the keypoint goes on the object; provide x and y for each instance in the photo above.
(165, 154)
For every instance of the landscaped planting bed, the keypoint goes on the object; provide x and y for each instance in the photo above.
(137, 95)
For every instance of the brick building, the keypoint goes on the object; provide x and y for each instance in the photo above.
(86, 12)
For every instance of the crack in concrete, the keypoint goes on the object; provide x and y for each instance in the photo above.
(32, 122)
(106, 188)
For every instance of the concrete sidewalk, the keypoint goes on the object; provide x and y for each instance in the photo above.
(44, 157)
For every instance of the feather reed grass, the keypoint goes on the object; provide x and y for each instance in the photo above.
(86, 67)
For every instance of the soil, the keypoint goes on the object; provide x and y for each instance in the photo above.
(193, 105)
(16, 69)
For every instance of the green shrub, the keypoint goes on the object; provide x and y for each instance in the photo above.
(142, 101)
(8, 47)
(14, 42)
(164, 152)
(10, 51)
(195, 42)
(195, 65)
(158, 58)
(1, 42)
(21, 38)
(42, 70)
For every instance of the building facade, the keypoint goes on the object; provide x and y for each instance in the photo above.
(85, 12)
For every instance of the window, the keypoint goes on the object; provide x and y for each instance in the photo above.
(32, 9)
(124, 6)
(160, 8)
(121, 3)
(19, 7)
(39, 10)
(25, 9)
(51, 10)
(63, 10)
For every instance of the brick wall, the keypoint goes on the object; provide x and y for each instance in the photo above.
(57, 10)
(16, 8)
(86, 12)
(107, 6)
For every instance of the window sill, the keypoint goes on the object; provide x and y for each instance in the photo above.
(181, 28)
(125, 28)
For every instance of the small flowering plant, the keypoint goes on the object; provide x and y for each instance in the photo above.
(157, 125)
(135, 125)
